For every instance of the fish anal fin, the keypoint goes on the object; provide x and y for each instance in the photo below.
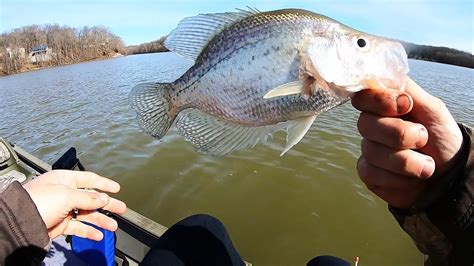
(216, 136)
(296, 131)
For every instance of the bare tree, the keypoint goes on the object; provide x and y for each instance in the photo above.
(64, 45)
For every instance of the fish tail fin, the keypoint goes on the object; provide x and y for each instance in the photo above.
(154, 108)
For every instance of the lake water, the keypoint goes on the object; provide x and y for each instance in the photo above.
(278, 210)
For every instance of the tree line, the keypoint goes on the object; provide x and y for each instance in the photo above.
(439, 54)
(60, 44)
(67, 45)
(150, 47)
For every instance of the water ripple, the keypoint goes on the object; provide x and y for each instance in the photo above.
(268, 202)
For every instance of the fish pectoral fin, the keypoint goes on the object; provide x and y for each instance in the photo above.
(296, 131)
(290, 88)
(216, 136)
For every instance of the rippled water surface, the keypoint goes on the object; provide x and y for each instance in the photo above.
(278, 210)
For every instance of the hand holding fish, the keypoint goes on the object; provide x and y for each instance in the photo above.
(409, 138)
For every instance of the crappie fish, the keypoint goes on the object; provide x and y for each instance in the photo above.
(255, 73)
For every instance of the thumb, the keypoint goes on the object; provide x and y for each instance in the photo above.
(426, 107)
(87, 200)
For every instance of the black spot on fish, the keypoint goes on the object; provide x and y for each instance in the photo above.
(253, 57)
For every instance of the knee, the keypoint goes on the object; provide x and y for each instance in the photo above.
(203, 220)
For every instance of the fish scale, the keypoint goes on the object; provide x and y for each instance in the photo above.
(221, 103)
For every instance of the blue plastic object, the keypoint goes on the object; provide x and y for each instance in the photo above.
(95, 252)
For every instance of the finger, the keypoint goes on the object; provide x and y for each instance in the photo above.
(376, 178)
(86, 200)
(83, 230)
(98, 219)
(403, 162)
(115, 206)
(383, 102)
(91, 180)
(398, 191)
(392, 132)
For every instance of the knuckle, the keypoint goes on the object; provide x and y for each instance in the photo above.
(92, 178)
(369, 151)
(93, 199)
(384, 102)
(365, 123)
(439, 104)
(80, 230)
(404, 161)
(83, 231)
(360, 124)
(364, 172)
(361, 168)
(363, 147)
(399, 131)
(372, 186)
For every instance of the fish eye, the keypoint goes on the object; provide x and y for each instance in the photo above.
(361, 43)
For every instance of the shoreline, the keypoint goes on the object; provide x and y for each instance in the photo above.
(115, 56)
(36, 68)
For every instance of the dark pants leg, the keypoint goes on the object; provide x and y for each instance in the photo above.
(327, 261)
(196, 240)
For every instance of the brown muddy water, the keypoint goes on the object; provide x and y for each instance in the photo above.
(278, 210)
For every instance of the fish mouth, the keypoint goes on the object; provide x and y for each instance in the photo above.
(397, 82)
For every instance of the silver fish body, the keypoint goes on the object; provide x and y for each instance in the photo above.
(240, 65)
(220, 101)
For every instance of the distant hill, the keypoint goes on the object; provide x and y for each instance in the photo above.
(439, 54)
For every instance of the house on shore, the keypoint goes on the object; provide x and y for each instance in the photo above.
(39, 54)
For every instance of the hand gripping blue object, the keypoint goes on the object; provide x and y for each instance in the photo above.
(95, 252)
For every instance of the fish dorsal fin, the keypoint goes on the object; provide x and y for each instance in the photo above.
(294, 87)
(193, 33)
(216, 136)
(296, 131)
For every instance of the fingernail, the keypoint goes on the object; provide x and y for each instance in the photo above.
(428, 168)
(403, 104)
(422, 136)
(104, 197)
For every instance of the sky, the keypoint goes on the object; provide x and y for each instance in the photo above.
(441, 23)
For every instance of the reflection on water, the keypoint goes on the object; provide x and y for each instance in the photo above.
(279, 210)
